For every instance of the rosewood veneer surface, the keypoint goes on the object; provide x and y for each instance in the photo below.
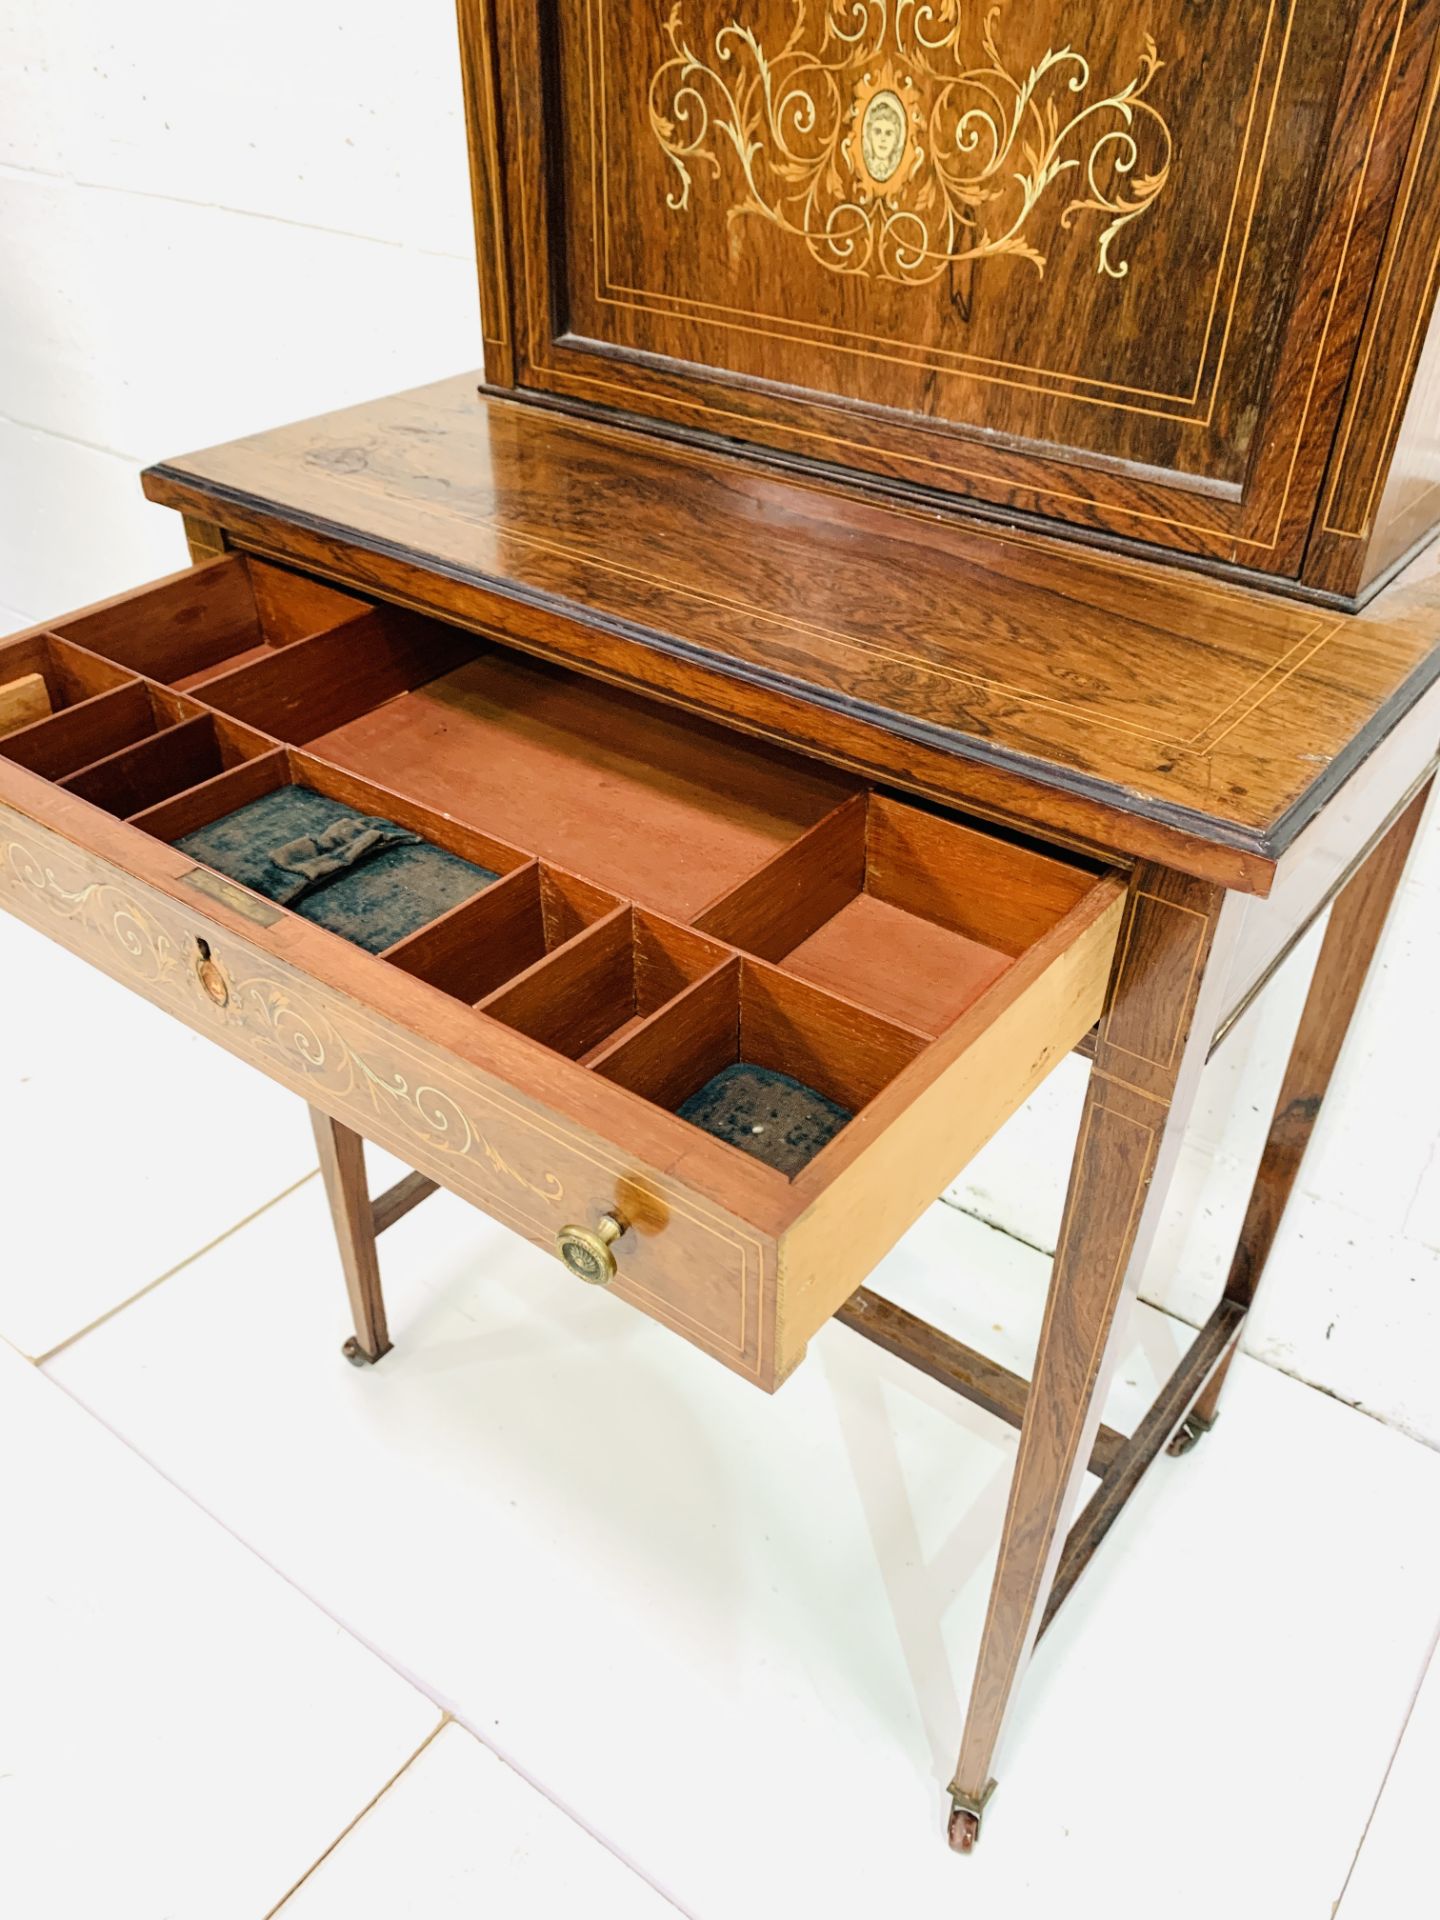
(1081, 693)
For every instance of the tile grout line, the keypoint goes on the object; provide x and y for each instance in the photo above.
(1427, 1173)
(40, 1360)
(997, 1226)
(448, 1718)
(448, 1715)
(70, 439)
(1214, 1151)
(568, 1812)
(375, 1652)
(374, 1801)
(1433, 1654)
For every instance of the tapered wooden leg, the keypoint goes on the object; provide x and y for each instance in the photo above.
(204, 539)
(342, 1166)
(1150, 1049)
(1357, 921)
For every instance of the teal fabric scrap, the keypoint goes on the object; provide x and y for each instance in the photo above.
(766, 1114)
(367, 879)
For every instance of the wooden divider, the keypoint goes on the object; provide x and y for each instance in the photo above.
(198, 806)
(192, 626)
(748, 1013)
(88, 731)
(68, 675)
(604, 982)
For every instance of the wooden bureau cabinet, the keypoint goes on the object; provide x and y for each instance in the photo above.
(1159, 272)
(684, 789)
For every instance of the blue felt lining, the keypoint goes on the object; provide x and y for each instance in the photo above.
(372, 904)
(766, 1114)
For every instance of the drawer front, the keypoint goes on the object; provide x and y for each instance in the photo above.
(684, 1262)
(1105, 264)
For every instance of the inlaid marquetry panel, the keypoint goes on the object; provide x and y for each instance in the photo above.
(890, 143)
(1101, 261)
(918, 194)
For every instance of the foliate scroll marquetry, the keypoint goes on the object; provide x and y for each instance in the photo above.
(438, 1113)
(896, 140)
(294, 1033)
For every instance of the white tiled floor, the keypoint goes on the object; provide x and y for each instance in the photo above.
(723, 1641)
(180, 1731)
(224, 1141)
(460, 1834)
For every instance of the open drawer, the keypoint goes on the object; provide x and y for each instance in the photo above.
(713, 1022)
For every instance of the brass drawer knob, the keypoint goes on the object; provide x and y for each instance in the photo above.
(587, 1254)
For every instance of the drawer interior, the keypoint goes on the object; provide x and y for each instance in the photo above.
(210, 621)
(762, 1061)
(42, 675)
(753, 942)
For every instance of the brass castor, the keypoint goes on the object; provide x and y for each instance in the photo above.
(356, 1354)
(965, 1816)
(1191, 1431)
(964, 1829)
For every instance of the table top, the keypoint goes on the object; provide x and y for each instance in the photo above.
(1077, 692)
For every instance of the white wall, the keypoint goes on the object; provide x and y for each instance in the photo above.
(214, 220)
(211, 220)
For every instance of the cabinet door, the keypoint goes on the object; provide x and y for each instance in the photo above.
(1091, 260)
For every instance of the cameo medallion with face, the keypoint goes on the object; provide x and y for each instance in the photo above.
(883, 132)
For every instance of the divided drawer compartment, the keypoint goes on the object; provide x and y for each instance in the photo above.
(42, 675)
(208, 621)
(580, 954)
(762, 1061)
(606, 983)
